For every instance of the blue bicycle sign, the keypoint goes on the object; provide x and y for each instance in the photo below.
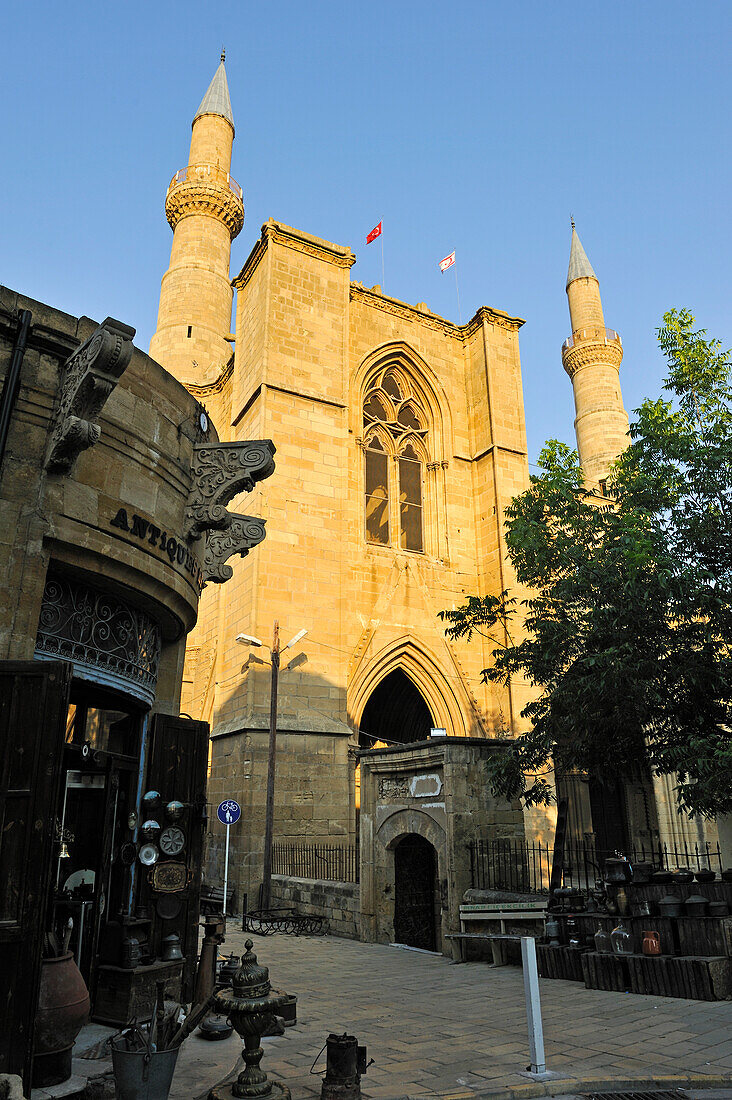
(229, 812)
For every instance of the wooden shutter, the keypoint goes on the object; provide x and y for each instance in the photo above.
(178, 767)
(34, 698)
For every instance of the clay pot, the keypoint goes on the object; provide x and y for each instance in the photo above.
(621, 898)
(696, 906)
(661, 877)
(63, 1009)
(718, 909)
(651, 944)
(727, 874)
(705, 875)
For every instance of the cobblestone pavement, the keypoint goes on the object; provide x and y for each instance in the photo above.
(436, 1028)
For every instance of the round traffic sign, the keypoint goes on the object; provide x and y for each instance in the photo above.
(229, 812)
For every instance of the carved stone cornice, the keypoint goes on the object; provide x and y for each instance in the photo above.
(239, 537)
(89, 376)
(195, 196)
(587, 353)
(276, 233)
(433, 320)
(220, 471)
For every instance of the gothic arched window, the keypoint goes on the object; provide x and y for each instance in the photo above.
(377, 492)
(395, 447)
(410, 499)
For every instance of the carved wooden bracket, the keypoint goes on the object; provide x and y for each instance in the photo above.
(220, 471)
(240, 536)
(90, 375)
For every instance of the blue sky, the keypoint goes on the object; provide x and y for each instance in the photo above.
(471, 126)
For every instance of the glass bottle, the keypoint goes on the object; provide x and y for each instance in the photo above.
(603, 943)
(622, 939)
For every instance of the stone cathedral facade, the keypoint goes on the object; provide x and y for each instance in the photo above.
(400, 440)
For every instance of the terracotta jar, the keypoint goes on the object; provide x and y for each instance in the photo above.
(651, 944)
(63, 1009)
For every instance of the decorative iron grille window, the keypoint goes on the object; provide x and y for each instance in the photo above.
(107, 640)
(395, 434)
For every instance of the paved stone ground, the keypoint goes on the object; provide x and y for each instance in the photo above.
(436, 1028)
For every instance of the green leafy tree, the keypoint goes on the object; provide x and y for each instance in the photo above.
(627, 632)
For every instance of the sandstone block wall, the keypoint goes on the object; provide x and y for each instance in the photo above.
(338, 902)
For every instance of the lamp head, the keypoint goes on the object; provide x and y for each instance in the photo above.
(300, 634)
(247, 639)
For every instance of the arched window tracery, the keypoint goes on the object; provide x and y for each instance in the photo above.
(395, 427)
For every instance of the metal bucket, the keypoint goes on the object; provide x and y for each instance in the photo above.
(142, 1076)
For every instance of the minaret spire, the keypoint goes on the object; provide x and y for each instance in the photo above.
(205, 210)
(216, 100)
(591, 357)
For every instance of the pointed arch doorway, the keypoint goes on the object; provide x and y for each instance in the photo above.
(396, 713)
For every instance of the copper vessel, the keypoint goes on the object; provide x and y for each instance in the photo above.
(63, 1009)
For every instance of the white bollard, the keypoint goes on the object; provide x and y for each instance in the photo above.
(533, 1004)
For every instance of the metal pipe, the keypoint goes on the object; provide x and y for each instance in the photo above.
(12, 379)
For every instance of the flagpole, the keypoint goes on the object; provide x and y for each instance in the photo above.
(457, 291)
(382, 260)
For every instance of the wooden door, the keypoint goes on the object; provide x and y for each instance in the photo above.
(34, 699)
(178, 766)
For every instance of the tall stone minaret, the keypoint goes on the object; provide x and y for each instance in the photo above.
(591, 357)
(205, 210)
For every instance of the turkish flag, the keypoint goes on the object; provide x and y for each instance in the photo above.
(375, 232)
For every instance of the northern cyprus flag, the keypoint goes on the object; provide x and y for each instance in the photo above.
(447, 262)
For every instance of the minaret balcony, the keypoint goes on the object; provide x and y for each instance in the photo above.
(206, 173)
(592, 335)
(208, 190)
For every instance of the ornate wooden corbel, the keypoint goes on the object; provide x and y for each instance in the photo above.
(220, 471)
(90, 375)
(240, 536)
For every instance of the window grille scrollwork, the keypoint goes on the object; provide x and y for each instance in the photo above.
(105, 638)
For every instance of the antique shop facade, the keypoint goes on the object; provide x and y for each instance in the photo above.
(113, 494)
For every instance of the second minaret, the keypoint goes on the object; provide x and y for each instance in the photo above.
(591, 357)
(205, 210)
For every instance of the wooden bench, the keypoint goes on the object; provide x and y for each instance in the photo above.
(494, 911)
(497, 940)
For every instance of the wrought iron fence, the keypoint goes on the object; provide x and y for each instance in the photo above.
(525, 868)
(332, 862)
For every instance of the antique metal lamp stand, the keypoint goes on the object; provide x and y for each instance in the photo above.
(250, 1005)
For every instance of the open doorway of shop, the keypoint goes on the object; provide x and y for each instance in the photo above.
(92, 872)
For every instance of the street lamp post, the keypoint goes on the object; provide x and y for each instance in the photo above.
(248, 639)
(269, 814)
